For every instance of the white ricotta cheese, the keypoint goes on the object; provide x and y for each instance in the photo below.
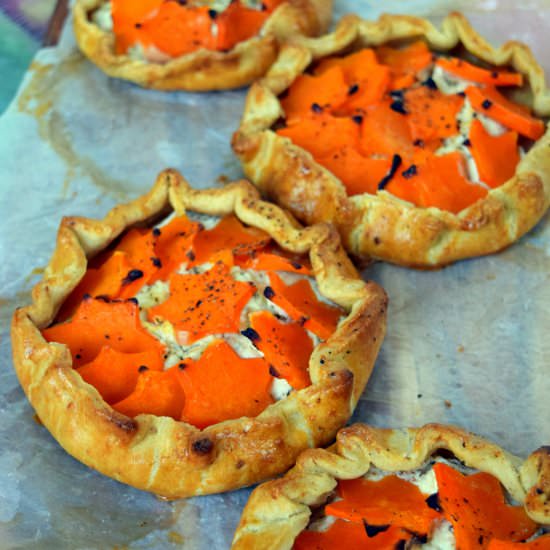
(280, 389)
(448, 83)
(150, 53)
(442, 538)
(423, 478)
(492, 127)
(457, 142)
(136, 52)
(152, 295)
(218, 5)
(258, 302)
(240, 344)
(208, 222)
(322, 524)
(102, 17)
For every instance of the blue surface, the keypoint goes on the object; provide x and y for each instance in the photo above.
(22, 26)
(16, 51)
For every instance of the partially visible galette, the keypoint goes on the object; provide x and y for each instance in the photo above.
(201, 351)
(196, 45)
(424, 146)
(431, 487)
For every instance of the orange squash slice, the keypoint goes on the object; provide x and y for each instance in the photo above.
(221, 385)
(299, 300)
(203, 303)
(98, 323)
(374, 482)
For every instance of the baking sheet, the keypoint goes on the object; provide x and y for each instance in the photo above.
(466, 345)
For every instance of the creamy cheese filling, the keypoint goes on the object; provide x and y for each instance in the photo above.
(138, 52)
(176, 352)
(280, 389)
(103, 18)
(450, 84)
(442, 538)
(456, 143)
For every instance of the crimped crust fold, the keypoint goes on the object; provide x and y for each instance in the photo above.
(202, 70)
(159, 454)
(279, 510)
(382, 226)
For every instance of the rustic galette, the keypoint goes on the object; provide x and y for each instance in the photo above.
(200, 351)
(424, 146)
(431, 487)
(196, 45)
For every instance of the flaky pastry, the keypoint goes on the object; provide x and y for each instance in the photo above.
(279, 510)
(172, 458)
(380, 225)
(203, 69)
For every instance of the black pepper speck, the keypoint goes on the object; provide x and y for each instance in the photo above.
(399, 107)
(410, 172)
(133, 275)
(373, 530)
(251, 334)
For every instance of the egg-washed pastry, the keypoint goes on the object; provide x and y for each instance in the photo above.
(197, 45)
(200, 351)
(435, 487)
(423, 146)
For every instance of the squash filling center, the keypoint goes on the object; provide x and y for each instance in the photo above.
(433, 130)
(159, 30)
(199, 324)
(440, 507)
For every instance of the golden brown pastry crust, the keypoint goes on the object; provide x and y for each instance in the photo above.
(382, 226)
(279, 510)
(159, 454)
(202, 70)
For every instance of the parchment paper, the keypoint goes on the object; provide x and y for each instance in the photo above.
(467, 345)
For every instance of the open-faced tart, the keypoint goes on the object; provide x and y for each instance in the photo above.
(424, 146)
(196, 45)
(194, 355)
(436, 486)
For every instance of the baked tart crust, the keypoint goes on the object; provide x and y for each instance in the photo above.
(279, 510)
(202, 70)
(159, 454)
(383, 226)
